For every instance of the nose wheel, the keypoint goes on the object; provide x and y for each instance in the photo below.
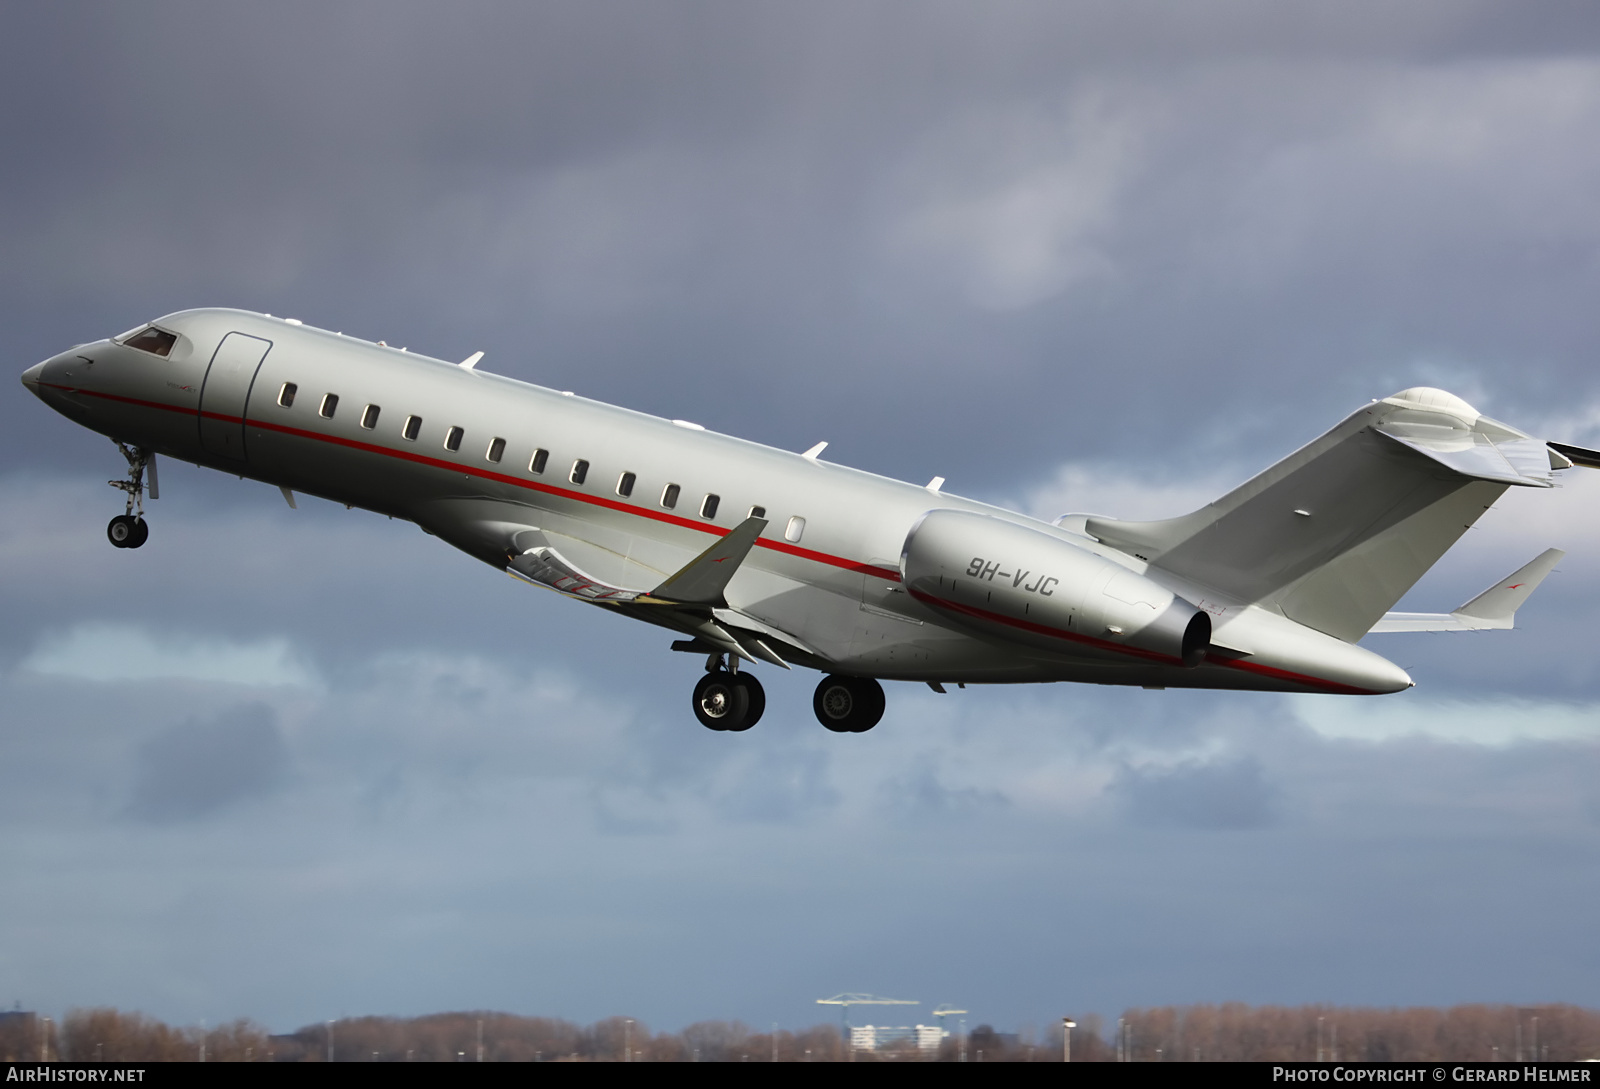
(848, 705)
(729, 701)
(128, 529)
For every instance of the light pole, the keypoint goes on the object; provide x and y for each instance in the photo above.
(1067, 1025)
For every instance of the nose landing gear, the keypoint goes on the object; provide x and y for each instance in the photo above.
(725, 700)
(128, 530)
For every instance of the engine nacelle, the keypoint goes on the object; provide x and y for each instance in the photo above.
(1029, 587)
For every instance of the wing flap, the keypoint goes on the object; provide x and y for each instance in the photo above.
(541, 564)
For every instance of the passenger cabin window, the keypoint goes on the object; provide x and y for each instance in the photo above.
(330, 405)
(537, 462)
(369, 416)
(497, 450)
(452, 439)
(625, 484)
(286, 394)
(669, 496)
(580, 469)
(796, 526)
(758, 512)
(412, 428)
(708, 506)
(153, 340)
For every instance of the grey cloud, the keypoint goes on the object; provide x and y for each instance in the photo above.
(731, 212)
(779, 787)
(1216, 796)
(525, 854)
(921, 793)
(203, 766)
(972, 241)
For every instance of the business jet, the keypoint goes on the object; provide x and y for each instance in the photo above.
(753, 555)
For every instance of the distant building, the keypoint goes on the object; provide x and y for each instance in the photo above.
(880, 1037)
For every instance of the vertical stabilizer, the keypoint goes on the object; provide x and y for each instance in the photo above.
(1336, 533)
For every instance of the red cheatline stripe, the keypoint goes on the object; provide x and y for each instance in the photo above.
(888, 574)
(1333, 687)
(1045, 629)
(123, 400)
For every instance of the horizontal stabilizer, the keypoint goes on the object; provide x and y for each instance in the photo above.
(1495, 608)
(1504, 459)
(1589, 459)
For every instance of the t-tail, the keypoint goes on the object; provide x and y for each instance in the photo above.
(1334, 535)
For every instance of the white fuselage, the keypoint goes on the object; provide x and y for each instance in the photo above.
(474, 457)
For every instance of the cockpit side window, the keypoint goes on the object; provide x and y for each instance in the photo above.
(153, 340)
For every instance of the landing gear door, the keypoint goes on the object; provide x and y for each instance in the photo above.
(226, 390)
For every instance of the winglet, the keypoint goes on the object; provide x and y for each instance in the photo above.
(702, 579)
(471, 361)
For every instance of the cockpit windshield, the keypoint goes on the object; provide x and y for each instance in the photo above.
(151, 339)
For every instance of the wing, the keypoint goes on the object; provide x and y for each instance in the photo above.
(690, 600)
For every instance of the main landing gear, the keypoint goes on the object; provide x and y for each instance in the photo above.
(848, 705)
(128, 530)
(728, 700)
(725, 699)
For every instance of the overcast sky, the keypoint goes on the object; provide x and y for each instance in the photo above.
(295, 765)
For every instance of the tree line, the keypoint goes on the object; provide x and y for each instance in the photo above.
(1226, 1032)
(1476, 1033)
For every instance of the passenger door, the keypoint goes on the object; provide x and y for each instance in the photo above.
(225, 392)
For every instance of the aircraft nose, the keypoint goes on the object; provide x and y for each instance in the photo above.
(32, 376)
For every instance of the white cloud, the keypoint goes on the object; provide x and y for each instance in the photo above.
(1098, 488)
(1491, 722)
(106, 651)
